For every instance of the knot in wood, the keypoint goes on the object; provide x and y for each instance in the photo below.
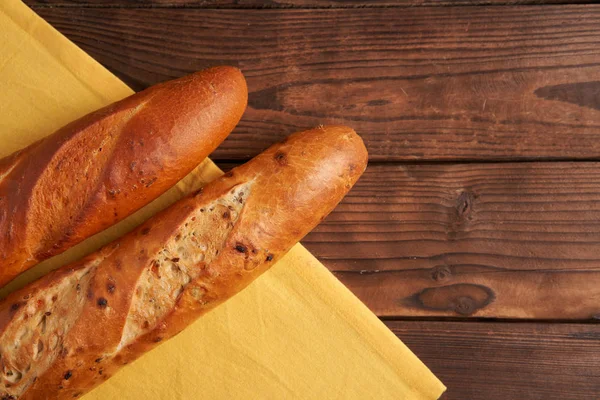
(464, 305)
(460, 214)
(440, 273)
(460, 298)
(464, 205)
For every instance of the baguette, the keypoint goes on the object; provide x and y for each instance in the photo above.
(74, 328)
(101, 168)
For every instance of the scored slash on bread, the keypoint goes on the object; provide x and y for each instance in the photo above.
(103, 167)
(74, 328)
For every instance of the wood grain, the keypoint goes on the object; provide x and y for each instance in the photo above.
(244, 4)
(420, 84)
(518, 240)
(499, 361)
(497, 240)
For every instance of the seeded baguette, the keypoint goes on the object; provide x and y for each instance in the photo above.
(74, 328)
(101, 168)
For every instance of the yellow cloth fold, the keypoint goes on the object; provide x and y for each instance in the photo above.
(295, 333)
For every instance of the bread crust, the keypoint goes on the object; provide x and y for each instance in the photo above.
(99, 169)
(236, 227)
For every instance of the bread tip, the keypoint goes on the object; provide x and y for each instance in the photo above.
(226, 70)
(348, 134)
(222, 74)
(232, 76)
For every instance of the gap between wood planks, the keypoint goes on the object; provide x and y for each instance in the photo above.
(290, 4)
(490, 321)
(231, 163)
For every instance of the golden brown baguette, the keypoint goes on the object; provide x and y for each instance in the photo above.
(101, 168)
(71, 330)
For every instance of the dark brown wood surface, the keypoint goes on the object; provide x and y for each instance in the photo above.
(494, 240)
(430, 83)
(268, 4)
(500, 361)
(481, 206)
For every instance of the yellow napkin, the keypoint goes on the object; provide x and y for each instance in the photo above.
(295, 333)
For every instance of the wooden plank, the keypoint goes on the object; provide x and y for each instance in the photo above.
(455, 83)
(471, 292)
(287, 3)
(518, 240)
(500, 361)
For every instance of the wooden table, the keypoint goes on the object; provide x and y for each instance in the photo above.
(475, 232)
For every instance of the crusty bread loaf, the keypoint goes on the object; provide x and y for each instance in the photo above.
(99, 169)
(74, 328)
